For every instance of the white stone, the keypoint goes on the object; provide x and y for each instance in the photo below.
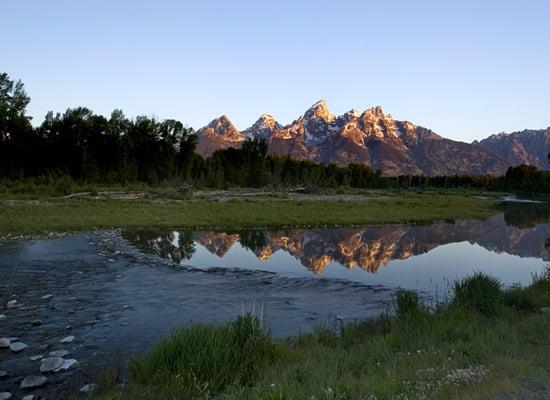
(68, 339)
(36, 357)
(66, 364)
(11, 303)
(33, 381)
(88, 388)
(51, 364)
(59, 353)
(17, 347)
(47, 296)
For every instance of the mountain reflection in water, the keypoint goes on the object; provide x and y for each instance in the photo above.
(520, 230)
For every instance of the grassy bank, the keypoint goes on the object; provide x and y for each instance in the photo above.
(485, 343)
(61, 215)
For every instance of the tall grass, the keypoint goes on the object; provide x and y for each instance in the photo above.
(207, 359)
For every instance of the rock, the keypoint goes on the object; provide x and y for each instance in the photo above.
(66, 364)
(4, 343)
(51, 364)
(33, 381)
(36, 322)
(59, 353)
(11, 303)
(17, 347)
(68, 339)
(29, 397)
(544, 310)
(3, 374)
(47, 296)
(36, 357)
(2, 316)
(68, 327)
(5, 395)
(88, 388)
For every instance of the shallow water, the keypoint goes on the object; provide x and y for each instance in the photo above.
(118, 292)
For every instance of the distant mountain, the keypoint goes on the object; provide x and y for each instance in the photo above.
(374, 138)
(526, 147)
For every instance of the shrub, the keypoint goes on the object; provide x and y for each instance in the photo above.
(521, 299)
(407, 304)
(478, 292)
(208, 358)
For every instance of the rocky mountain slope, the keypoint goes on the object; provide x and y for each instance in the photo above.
(374, 138)
(526, 147)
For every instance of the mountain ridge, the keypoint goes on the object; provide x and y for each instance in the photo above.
(372, 137)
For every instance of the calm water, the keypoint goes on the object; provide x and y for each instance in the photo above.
(428, 258)
(119, 292)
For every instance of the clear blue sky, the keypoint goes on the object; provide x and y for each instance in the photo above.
(465, 69)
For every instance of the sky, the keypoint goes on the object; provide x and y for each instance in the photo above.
(465, 69)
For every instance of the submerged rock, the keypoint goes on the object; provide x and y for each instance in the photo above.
(2, 316)
(11, 303)
(66, 364)
(17, 347)
(47, 296)
(51, 364)
(5, 395)
(36, 322)
(3, 374)
(68, 339)
(36, 357)
(59, 353)
(4, 343)
(88, 388)
(29, 397)
(33, 381)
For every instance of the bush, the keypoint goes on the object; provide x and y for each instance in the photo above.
(407, 304)
(521, 299)
(207, 358)
(479, 292)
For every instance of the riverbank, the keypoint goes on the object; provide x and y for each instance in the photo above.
(235, 209)
(487, 343)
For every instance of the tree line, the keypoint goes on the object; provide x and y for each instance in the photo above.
(91, 148)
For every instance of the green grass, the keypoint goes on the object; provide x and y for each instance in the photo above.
(453, 352)
(27, 217)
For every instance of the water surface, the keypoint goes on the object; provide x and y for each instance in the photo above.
(119, 292)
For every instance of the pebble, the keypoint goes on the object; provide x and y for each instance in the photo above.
(3, 374)
(88, 388)
(33, 381)
(59, 353)
(4, 343)
(36, 322)
(36, 357)
(51, 364)
(5, 395)
(68, 363)
(68, 339)
(2, 316)
(11, 303)
(17, 347)
(29, 397)
(47, 296)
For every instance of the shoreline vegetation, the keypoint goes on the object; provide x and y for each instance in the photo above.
(485, 343)
(104, 208)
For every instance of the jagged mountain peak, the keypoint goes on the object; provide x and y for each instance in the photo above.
(376, 112)
(263, 128)
(319, 110)
(221, 124)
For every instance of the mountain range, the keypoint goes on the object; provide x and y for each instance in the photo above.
(374, 138)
